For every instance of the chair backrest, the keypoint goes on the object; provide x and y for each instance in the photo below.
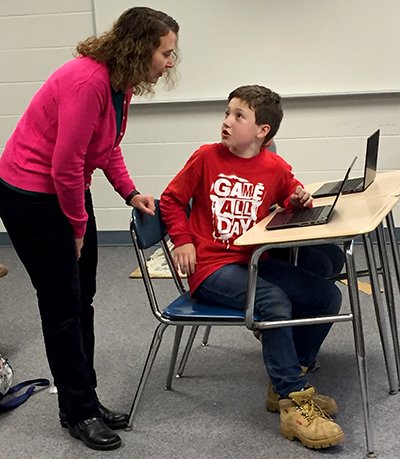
(149, 229)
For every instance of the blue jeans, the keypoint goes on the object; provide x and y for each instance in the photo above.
(44, 241)
(283, 292)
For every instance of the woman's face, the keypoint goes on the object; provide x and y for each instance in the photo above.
(162, 57)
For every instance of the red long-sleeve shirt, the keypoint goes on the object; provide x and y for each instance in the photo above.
(230, 195)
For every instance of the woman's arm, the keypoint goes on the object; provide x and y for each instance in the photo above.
(79, 112)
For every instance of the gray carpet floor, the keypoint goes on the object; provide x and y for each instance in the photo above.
(216, 411)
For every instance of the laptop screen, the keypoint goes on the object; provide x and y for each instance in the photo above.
(371, 158)
(341, 187)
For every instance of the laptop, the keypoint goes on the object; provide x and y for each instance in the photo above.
(356, 185)
(307, 216)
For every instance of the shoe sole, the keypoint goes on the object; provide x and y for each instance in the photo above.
(106, 447)
(313, 444)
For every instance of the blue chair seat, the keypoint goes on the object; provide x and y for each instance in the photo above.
(187, 308)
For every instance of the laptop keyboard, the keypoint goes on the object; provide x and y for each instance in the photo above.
(300, 215)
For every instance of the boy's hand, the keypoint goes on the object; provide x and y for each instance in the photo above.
(144, 203)
(185, 258)
(301, 198)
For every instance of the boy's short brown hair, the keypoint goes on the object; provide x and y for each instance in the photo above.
(265, 103)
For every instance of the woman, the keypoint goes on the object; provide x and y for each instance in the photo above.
(74, 125)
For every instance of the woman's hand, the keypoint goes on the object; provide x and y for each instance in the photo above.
(78, 246)
(301, 197)
(144, 203)
(185, 258)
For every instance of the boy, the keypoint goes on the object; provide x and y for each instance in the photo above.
(232, 185)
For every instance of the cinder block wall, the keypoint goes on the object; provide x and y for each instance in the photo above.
(318, 136)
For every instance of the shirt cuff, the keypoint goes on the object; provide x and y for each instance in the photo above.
(130, 196)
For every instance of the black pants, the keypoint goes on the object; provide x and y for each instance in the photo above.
(43, 239)
(324, 260)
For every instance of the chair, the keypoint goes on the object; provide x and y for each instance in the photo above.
(147, 231)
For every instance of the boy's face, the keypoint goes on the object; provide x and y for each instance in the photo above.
(240, 132)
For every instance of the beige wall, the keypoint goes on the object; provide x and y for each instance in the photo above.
(318, 136)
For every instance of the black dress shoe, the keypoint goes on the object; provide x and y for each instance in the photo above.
(95, 434)
(112, 419)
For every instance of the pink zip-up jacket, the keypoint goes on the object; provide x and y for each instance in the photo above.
(69, 130)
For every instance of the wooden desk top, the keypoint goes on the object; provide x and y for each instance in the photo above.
(354, 214)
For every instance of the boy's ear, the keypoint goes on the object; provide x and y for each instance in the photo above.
(264, 129)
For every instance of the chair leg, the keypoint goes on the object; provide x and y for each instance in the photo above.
(175, 349)
(154, 346)
(206, 336)
(186, 352)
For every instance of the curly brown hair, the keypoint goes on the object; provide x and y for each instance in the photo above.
(265, 103)
(128, 48)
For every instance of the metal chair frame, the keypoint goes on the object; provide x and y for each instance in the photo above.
(222, 316)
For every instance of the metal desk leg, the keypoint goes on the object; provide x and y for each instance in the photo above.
(394, 246)
(359, 342)
(251, 287)
(380, 316)
(396, 259)
(388, 286)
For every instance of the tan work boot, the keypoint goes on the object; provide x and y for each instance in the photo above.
(326, 403)
(303, 419)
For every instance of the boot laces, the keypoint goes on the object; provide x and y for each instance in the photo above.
(310, 410)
